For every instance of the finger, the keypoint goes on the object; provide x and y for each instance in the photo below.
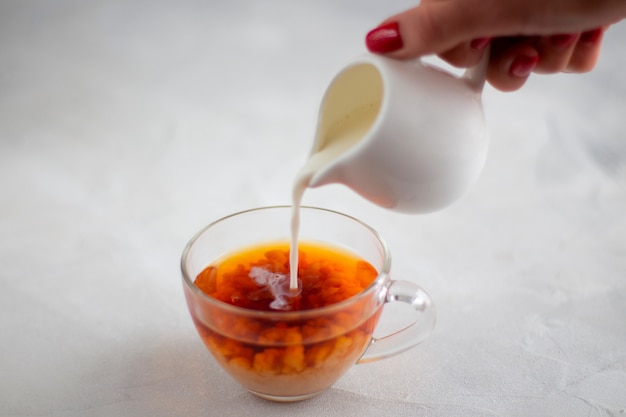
(555, 52)
(511, 63)
(466, 54)
(586, 52)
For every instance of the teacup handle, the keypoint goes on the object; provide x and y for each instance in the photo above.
(416, 332)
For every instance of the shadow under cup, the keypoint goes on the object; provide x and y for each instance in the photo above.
(294, 355)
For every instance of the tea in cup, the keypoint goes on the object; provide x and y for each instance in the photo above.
(287, 344)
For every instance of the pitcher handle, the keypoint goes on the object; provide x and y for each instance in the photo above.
(417, 331)
(477, 75)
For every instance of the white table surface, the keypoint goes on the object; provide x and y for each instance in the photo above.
(125, 126)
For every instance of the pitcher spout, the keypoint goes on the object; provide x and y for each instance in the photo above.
(326, 177)
(348, 117)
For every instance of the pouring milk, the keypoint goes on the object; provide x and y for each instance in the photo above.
(341, 137)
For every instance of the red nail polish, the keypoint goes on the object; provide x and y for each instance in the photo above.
(591, 36)
(385, 38)
(480, 43)
(523, 65)
(564, 40)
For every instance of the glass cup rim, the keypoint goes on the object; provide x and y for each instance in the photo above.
(383, 274)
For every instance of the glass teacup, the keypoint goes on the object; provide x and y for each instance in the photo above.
(295, 354)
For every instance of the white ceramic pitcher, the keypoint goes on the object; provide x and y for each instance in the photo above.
(403, 134)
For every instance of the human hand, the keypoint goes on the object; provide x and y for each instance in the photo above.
(541, 36)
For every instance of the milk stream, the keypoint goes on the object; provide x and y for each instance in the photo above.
(337, 139)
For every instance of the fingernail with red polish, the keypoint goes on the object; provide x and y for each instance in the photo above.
(385, 38)
(563, 40)
(591, 36)
(480, 43)
(523, 65)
